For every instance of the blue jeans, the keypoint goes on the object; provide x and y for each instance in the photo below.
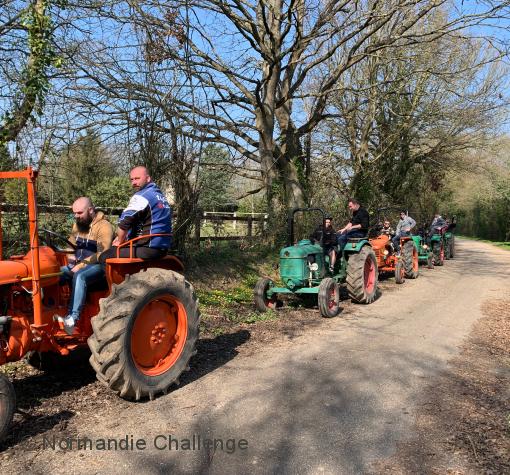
(344, 237)
(80, 280)
(396, 239)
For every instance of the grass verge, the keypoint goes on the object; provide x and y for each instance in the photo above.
(501, 244)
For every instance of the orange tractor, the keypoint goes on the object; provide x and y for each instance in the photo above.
(405, 265)
(141, 326)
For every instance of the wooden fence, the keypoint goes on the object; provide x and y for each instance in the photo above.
(208, 226)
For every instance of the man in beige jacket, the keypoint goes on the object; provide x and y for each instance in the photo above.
(92, 234)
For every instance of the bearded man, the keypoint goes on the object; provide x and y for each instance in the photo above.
(92, 234)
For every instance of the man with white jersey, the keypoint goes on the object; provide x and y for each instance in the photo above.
(148, 212)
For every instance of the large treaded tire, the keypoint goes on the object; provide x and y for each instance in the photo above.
(430, 261)
(400, 272)
(410, 260)
(362, 276)
(7, 404)
(447, 250)
(262, 303)
(329, 298)
(159, 295)
(452, 247)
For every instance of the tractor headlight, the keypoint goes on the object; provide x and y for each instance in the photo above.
(425, 246)
(386, 252)
(314, 267)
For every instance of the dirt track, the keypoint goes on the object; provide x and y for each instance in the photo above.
(332, 398)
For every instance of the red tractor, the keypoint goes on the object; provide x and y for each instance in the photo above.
(405, 265)
(141, 327)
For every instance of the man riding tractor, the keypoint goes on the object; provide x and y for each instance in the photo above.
(390, 259)
(141, 327)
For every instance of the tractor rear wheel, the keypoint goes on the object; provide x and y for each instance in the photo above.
(438, 251)
(410, 260)
(145, 333)
(430, 261)
(400, 272)
(262, 302)
(329, 298)
(362, 276)
(7, 404)
(447, 250)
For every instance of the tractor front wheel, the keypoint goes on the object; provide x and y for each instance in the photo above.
(262, 302)
(7, 404)
(362, 276)
(400, 272)
(410, 260)
(430, 261)
(329, 298)
(145, 333)
(452, 247)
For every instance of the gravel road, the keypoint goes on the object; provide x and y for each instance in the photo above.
(333, 400)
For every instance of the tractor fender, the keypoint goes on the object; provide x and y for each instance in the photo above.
(355, 247)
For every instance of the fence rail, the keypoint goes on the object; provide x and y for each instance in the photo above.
(217, 232)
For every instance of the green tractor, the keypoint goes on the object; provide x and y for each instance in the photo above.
(425, 254)
(438, 243)
(422, 244)
(303, 272)
(449, 238)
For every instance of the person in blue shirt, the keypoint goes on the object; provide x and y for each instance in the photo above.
(148, 212)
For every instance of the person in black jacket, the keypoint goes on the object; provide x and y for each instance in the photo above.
(357, 226)
(328, 236)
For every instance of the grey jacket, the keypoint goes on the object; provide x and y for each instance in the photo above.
(405, 225)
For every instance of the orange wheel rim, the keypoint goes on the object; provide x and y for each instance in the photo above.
(416, 262)
(159, 334)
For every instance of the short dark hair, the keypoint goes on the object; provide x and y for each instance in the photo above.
(354, 200)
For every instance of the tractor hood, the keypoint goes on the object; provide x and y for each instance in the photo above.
(12, 271)
(299, 251)
(295, 263)
(20, 267)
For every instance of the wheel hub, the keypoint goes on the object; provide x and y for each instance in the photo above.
(158, 336)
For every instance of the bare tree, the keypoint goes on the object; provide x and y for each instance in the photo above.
(251, 60)
(403, 116)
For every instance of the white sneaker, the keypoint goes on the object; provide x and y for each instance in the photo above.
(69, 324)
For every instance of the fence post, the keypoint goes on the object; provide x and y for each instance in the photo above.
(198, 219)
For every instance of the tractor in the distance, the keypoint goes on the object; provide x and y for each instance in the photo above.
(405, 265)
(449, 238)
(438, 243)
(303, 271)
(141, 327)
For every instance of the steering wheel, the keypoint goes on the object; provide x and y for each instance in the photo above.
(49, 237)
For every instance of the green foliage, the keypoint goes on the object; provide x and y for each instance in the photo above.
(15, 191)
(84, 165)
(34, 83)
(112, 192)
(243, 294)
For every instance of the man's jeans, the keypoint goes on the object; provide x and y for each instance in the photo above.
(396, 239)
(80, 280)
(344, 237)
